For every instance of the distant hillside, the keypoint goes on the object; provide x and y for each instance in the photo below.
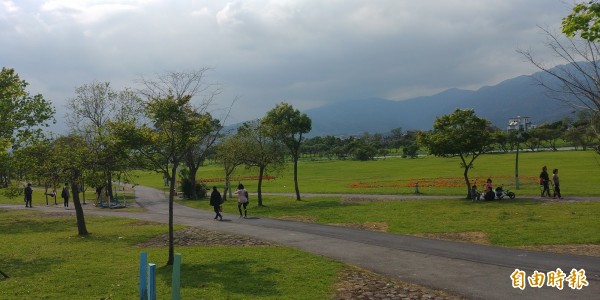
(519, 96)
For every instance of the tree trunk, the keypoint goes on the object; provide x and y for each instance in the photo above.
(226, 188)
(81, 228)
(172, 193)
(261, 172)
(296, 179)
(193, 170)
(109, 187)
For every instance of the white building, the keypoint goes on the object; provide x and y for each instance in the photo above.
(519, 123)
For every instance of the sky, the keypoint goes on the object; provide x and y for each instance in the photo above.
(307, 53)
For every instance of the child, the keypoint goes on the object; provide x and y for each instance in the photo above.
(475, 195)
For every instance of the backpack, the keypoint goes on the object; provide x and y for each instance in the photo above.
(65, 192)
(247, 198)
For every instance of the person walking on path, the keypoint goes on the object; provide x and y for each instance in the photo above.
(215, 201)
(28, 195)
(65, 195)
(242, 200)
(545, 182)
(556, 184)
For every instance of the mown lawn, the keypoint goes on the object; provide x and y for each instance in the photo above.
(45, 259)
(579, 173)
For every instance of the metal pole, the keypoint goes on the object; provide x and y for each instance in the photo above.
(517, 166)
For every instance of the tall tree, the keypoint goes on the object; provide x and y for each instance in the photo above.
(94, 106)
(259, 150)
(192, 84)
(461, 134)
(73, 157)
(288, 125)
(230, 155)
(176, 128)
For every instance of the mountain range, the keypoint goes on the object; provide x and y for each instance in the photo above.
(519, 96)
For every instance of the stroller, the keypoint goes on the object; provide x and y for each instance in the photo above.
(501, 193)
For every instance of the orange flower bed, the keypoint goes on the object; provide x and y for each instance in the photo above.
(243, 178)
(445, 182)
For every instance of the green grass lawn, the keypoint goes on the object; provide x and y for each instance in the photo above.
(579, 173)
(45, 259)
(505, 223)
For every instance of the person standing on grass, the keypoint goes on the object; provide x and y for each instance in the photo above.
(242, 200)
(556, 184)
(545, 182)
(215, 201)
(65, 195)
(28, 195)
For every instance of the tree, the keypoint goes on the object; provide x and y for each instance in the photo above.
(231, 156)
(94, 106)
(176, 128)
(577, 83)
(39, 161)
(461, 134)
(21, 114)
(288, 125)
(197, 154)
(584, 21)
(73, 155)
(192, 84)
(259, 150)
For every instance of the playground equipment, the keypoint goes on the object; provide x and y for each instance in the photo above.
(104, 200)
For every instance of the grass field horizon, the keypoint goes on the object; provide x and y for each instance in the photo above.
(579, 173)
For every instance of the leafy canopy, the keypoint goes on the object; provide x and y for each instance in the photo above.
(583, 21)
(459, 133)
(20, 113)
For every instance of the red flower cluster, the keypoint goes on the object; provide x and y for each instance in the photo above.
(242, 178)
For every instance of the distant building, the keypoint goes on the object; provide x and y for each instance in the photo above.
(519, 123)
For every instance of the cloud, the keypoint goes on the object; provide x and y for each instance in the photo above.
(306, 52)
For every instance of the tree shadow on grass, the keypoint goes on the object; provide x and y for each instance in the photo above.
(19, 268)
(236, 276)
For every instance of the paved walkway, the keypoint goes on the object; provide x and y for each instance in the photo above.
(474, 271)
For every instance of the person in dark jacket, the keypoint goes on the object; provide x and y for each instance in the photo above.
(65, 195)
(489, 194)
(28, 195)
(215, 201)
(545, 182)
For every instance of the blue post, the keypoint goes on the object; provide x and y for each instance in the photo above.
(175, 293)
(151, 281)
(143, 276)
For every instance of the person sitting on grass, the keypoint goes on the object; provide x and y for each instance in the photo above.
(475, 195)
(489, 194)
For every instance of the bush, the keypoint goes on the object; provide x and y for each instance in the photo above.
(186, 188)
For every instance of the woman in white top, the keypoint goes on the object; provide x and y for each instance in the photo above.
(242, 199)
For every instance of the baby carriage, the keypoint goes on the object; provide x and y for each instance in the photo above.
(501, 193)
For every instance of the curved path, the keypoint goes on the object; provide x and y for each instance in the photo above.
(474, 271)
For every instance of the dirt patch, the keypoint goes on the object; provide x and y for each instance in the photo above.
(362, 199)
(583, 249)
(306, 219)
(372, 226)
(474, 237)
(192, 236)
